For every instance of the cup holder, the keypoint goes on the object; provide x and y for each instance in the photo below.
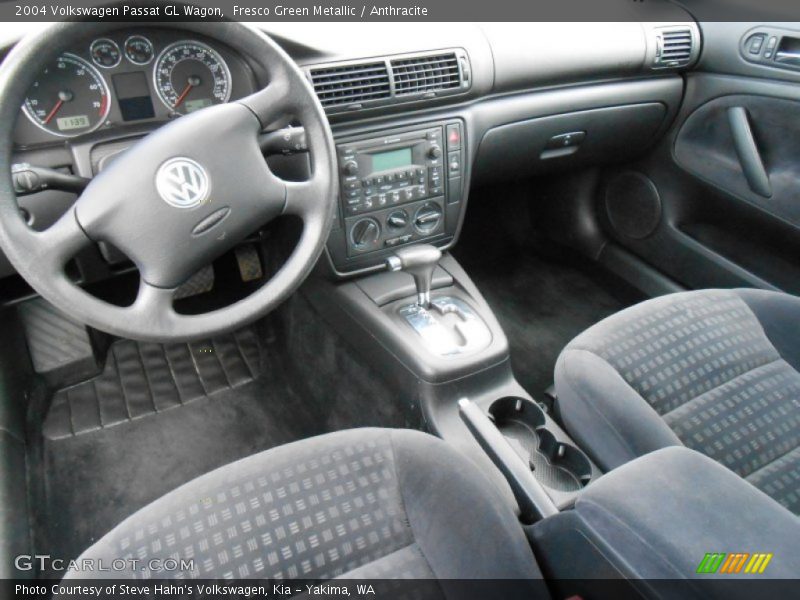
(557, 465)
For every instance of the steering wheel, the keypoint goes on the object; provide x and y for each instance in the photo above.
(178, 198)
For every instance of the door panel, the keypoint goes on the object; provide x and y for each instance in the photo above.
(748, 147)
(727, 177)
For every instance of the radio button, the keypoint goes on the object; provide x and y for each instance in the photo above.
(434, 152)
(350, 168)
(378, 180)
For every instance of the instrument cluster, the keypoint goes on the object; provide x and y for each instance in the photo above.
(129, 77)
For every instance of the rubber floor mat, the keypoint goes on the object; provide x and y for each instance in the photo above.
(157, 417)
(140, 380)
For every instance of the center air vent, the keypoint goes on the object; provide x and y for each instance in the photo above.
(426, 74)
(391, 80)
(674, 47)
(351, 84)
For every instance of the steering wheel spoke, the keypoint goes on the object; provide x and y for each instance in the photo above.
(60, 242)
(270, 103)
(154, 303)
(303, 198)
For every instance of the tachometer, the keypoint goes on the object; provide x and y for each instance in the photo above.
(68, 98)
(190, 75)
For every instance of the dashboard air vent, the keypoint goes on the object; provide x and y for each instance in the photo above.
(422, 74)
(674, 47)
(351, 84)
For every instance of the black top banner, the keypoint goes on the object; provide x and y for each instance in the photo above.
(400, 10)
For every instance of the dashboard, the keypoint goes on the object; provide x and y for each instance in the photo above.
(417, 119)
(131, 77)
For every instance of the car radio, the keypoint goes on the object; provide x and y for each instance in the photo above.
(394, 189)
(391, 170)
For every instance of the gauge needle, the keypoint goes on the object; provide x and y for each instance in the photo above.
(53, 112)
(184, 93)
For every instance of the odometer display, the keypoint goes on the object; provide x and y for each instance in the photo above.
(68, 98)
(190, 75)
(76, 122)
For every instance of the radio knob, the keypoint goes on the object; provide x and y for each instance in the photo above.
(365, 233)
(434, 152)
(350, 168)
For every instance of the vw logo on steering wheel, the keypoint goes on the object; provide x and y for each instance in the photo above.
(182, 182)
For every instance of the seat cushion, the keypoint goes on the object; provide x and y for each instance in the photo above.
(714, 370)
(366, 503)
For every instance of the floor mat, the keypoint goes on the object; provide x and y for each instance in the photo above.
(141, 380)
(542, 304)
(157, 417)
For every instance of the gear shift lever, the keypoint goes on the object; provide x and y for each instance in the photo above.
(419, 261)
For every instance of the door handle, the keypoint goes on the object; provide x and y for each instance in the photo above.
(747, 151)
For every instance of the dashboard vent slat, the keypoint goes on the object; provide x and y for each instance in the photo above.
(351, 84)
(421, 74)
(384, 80)
(675, 48)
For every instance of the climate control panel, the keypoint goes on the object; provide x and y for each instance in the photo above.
(399, 187)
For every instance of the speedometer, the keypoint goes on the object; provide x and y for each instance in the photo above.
(190, 75)
(68, 97)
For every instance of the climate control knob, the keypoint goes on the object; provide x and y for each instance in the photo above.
(428, 218)
(365, 233)
(397, 220)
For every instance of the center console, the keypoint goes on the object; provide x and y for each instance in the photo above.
(397, 187)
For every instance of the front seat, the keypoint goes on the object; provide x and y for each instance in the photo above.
(362, 503)
(714, 370)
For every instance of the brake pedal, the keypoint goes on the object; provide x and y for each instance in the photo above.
(199, 283)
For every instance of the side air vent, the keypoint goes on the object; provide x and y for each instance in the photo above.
(674, 47)
(421, 74)
(351, 84)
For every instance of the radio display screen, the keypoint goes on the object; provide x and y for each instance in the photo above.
(392, 159)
